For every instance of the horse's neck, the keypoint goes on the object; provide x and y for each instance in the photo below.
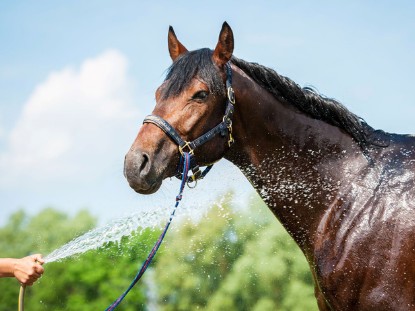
(295, 163)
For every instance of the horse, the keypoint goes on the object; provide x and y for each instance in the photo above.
(343, 190)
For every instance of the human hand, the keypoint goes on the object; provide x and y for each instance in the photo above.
(28, 269)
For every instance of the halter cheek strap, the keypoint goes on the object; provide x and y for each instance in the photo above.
(224, 128)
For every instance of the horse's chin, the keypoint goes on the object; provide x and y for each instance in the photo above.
(147, 189)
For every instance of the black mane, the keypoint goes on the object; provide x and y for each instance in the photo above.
(199, 63)
(312, 104)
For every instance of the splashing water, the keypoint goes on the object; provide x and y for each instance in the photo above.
(112, 232)
(155, 217)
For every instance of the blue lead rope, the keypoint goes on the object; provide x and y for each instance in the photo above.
(186, 166)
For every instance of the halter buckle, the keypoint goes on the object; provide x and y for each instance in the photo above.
(186, 145)
(231, 95)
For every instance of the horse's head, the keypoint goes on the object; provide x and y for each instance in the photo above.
(191, 101)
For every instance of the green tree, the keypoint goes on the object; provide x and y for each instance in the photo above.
(90, 281)
(231, 259)
(234, 260)
(95, 279)
(24, 235)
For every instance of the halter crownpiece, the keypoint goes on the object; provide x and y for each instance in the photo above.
(224, 128)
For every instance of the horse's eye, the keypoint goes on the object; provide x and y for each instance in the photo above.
(201, 95)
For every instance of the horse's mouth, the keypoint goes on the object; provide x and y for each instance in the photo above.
(151, 182)
(144, 172)
(146, 189)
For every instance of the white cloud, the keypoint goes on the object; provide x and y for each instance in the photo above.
(74, 125)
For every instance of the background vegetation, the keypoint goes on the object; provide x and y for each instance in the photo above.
(231, 259)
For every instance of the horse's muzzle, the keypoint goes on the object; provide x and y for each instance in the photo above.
(140, 172)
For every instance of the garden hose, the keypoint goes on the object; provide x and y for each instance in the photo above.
(21, 298)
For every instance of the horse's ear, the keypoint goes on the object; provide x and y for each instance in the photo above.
(175, 47)
(224, 48)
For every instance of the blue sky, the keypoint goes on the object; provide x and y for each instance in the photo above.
(76, 79)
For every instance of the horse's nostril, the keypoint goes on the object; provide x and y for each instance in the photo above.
(144, 162)
(137, 165)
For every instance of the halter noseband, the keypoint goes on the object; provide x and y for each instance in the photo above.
(224, 128)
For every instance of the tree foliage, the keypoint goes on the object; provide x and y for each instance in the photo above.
(90, 281)
(234, 260)
(231, 259)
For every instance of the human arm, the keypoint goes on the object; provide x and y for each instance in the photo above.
(26, 270)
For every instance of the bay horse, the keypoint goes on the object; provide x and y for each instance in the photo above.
(343, 190)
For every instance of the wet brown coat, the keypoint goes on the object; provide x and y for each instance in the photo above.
(354, 219)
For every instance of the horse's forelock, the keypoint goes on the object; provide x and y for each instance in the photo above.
(189, 65)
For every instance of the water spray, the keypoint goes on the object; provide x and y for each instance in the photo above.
(70, 248)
